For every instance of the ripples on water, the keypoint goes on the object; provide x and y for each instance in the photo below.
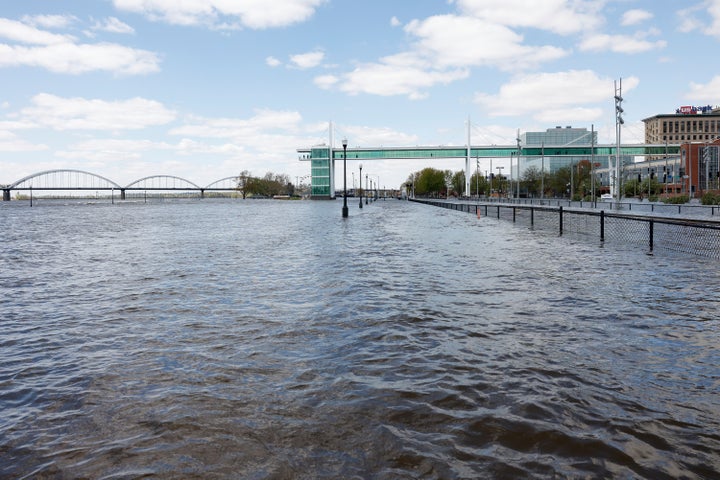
(271, 340)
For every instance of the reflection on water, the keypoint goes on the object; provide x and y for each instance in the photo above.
(254, 339)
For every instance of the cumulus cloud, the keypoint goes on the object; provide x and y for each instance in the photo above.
(307, 60)
(435, 59)
(702, 93)
(264, 120)
(483, 43)
(565, 95)
(50, 21)
(621, 43)
(61, 113)
(558, 16)
(113, 25)
(703, 17)
(254, 14)
(9, 142)
(29, 35)
(635, 16)
(272, 62)
(58, 53)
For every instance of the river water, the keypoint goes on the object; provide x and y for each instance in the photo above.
(275, 340)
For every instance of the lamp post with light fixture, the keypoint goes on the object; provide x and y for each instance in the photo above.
(345, 207)
(361, 189)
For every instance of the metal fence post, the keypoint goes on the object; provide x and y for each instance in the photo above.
(602, 225)
(513, 214)
(651, 235)
(532, 216)
(560, 209)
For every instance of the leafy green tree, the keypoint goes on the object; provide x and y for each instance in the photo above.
(478, 183)
(458, 182)
(559, 182)
(430, 181)
(531, 180)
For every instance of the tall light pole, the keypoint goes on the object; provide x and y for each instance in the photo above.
(366, 185)
(345, 207)
(618, 125)
(361, 189)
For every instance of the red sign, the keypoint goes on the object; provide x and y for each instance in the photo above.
(686, 109)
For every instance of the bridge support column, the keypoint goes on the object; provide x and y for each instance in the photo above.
(6, 194)
(122, 194)
(202, 193)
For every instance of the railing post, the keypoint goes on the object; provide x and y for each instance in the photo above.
(560, 209)
(498, 214)
(513, 214)
(652, 223)
(602, 225)
(532, 216)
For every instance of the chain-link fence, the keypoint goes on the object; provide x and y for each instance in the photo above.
(688, 235)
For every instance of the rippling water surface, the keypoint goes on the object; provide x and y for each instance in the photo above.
(273, 340)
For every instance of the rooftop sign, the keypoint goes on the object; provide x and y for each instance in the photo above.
(691, 110)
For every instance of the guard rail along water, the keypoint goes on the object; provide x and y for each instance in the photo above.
(695, 236)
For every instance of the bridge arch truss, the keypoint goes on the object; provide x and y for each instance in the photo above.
(224, 184)
(64, 180)
(162, 182)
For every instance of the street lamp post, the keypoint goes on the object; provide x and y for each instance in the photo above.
(499, 169)
(361, 189)
(345, 207)
(366, 185)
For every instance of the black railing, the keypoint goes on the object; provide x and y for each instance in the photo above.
(693, 236)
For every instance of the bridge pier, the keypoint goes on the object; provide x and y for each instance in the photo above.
(202, 193)
(122, 194)
(6, 194)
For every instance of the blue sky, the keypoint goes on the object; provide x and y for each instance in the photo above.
(204, 89)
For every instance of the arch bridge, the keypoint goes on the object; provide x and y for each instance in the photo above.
(80, 180)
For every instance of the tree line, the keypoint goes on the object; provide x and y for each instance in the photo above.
(570, 181)
(269, 185)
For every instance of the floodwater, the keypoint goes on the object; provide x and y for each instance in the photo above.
(275, 340)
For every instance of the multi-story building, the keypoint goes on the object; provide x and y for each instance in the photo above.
(687, 125)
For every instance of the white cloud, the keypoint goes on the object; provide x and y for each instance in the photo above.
(558, 16)
(26, 34)
(255, 14)
(240, 129)
(435, 57)
(307, 60)
(81, 58)
(635, 16)
(83, 114)
(9, 142)
(393, 77)
(600, 42)
(273, 62)
(62, 54)
(50, 21)
(326, 81)
(395, 22)
(560, 95)
(113, 25)
(695, 18)
(701, 93)
(460, 41)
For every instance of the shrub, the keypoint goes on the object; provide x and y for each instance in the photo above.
(710, 198)
(677, 199)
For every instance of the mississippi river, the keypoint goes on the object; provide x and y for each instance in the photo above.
(275, 340)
